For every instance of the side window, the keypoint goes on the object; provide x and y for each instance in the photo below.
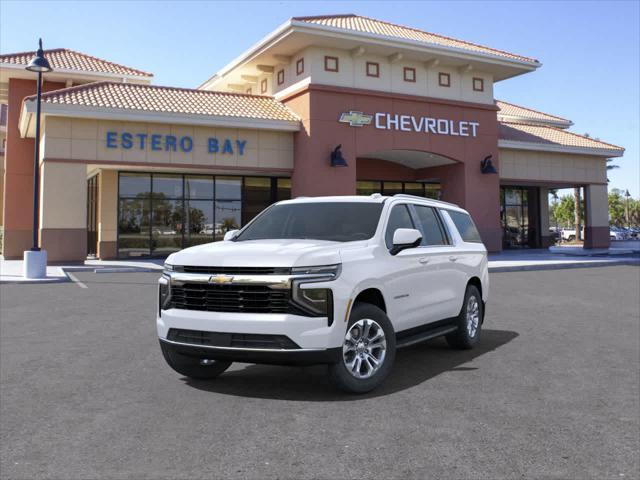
(431, 227)
(398, 218)
(465, 226)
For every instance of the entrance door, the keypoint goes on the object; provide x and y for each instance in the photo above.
(92, 216)
(519, 216)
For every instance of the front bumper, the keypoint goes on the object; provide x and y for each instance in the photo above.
(300, 356)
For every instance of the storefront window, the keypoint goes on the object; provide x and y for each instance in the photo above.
(283, 186)
(161, 213)
(429, 190)
(257, 197)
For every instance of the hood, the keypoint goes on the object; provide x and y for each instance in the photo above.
(263, 253)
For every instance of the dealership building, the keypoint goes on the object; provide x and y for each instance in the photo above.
(330, 105)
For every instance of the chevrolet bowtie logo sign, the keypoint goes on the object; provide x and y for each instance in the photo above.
(221, 279)
(355, 119)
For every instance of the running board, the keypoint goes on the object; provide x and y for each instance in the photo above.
(424, 336)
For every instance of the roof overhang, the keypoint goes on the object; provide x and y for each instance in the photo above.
(533, 121)
(13, 70)
(555, 148)
(294, 35)
(27, 118)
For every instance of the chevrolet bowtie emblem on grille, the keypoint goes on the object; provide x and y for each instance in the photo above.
(356, 119)
(221, 279)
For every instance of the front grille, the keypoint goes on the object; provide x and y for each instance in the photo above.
(229, 298)
(234, 270)
(236, 340)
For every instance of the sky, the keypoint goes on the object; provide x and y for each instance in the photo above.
(590, 51)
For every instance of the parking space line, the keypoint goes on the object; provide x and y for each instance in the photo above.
(75, 280)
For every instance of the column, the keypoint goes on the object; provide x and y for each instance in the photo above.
(63, 211)
(107, 214)
(596, 216)
(546, 240)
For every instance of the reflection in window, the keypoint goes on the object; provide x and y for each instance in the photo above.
(133, 227)
(256, 197)
(367, 188)
(228, 217)
(161, 213)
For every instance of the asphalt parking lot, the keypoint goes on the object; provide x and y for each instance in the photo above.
(552, 392)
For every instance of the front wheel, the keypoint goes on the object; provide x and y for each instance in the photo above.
(368, 351)
(469, 321)
(192, 367)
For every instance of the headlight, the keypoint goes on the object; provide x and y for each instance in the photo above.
(164, 293)
(168, 267)
(315, 302)
(331, 271)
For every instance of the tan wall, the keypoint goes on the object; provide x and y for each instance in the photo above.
(551, 167)
(63, 195)
(352, 73)
(108, 206)
(80, 139)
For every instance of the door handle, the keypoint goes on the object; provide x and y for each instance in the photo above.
(424, 260)
(453, 258)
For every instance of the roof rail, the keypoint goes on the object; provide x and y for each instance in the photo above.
(415, 197)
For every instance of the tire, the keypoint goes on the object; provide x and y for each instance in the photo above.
(191, 366)
(356, 370)
(571, 238)
(469, 321)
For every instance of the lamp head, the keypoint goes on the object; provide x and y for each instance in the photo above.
(39, 62)
(337, 160)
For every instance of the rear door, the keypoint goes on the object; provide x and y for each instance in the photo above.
(441, 278)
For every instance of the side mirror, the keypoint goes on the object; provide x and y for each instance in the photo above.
(230, 235)
(404, 238)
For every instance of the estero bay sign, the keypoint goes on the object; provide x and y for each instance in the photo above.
(171, 143)
(411, 123)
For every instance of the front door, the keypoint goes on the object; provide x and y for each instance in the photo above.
(92, 216)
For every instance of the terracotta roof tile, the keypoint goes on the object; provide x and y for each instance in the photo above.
(379, 27)
(65, 59)
(513, 110)
(152, 98)
(517, 132)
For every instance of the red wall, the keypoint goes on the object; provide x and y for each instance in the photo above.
(320, 107)
(18, 177)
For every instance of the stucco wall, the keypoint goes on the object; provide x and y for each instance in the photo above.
(352, 73)
(85, 140)
(551, 167)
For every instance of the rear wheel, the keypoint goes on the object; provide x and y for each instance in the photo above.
(469, 321)
(192, 367)
(368, 351)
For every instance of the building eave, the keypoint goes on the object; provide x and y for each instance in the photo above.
(129, 115)
(532, 121)
(541, 147)
(64, 72)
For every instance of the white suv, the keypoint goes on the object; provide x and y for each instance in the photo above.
(343, 281)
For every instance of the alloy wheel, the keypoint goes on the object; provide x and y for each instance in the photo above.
(473, 316)
(364, 348)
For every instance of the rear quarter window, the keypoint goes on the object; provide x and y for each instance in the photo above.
(465, 226)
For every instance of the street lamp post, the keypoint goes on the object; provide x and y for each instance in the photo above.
(35, 260)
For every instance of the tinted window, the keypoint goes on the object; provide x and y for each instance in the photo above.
(430, 226)
(338, 222)
(398, 218)
(465, 226)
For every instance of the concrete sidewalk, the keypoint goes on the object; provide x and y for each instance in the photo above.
(507, 261)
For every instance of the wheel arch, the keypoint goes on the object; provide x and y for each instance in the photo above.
(373, 296)
(476, 282)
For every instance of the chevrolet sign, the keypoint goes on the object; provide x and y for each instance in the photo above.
(221, 279)
(355, 119)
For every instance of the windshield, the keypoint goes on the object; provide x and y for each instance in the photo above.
(333, 221)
